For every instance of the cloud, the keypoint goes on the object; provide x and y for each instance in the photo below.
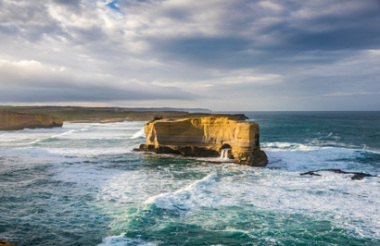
(68, 2)
(31, 81)
(351, 94)
(190, 52)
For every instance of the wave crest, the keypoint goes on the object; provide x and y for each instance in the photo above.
(191, 196)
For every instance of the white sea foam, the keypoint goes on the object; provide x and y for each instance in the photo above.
(333, 197)
(147, 186)
(318, 158)
(139, 134)
(38, 140)
(224, 154)
(89, 152)
(322, 198)
(195, 195)
(315, 144)
(131, 186)
(76, 139)
(29, 137)
(284, 146)
(81, 174)
(124, 241)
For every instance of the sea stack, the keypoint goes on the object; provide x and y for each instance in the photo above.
(10, 120)
(206, 137)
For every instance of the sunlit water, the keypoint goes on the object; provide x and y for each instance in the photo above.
(83, 185)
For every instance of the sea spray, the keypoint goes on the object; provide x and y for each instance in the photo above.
(124, 241)
(224, 154)
(139, 134)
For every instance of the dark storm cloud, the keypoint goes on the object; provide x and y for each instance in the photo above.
(346, 34)
(301, 27)
(68, 2)
(74, 5)
(204, 50)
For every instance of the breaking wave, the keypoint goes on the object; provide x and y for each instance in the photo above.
(139, 134)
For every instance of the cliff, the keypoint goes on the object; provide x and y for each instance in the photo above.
(16, 121)
(206, 137)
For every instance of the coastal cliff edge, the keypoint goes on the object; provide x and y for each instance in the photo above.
(10, 120)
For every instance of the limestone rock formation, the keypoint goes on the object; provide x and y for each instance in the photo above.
(16, 121)
(206, 137)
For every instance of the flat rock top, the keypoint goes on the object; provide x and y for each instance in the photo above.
(205, 120)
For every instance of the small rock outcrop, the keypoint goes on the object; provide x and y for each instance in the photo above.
(206, 137)
(354, 176)
(10, 120)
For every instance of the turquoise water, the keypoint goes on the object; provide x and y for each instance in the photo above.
(83, 185)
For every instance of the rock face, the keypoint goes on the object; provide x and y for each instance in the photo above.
(206, 137)
(16, 121)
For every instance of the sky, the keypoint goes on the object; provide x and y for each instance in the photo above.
(218, 54)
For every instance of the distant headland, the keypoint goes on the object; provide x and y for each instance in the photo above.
(75, 114)
(11, 120)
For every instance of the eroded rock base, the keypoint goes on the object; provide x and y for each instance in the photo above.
(255, 158)
(180, 150)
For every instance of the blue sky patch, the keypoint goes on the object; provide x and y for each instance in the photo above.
(113, 5)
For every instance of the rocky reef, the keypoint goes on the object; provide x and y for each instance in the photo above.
(206, 137)
(16, 121)
(354, 175)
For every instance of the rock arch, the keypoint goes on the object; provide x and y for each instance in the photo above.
(226, 146)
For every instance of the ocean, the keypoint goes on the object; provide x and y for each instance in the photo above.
(82, 184)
